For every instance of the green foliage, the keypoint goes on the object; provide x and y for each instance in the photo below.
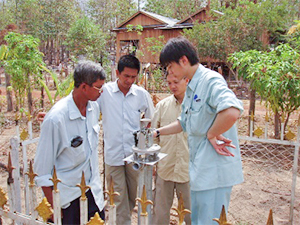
(62, 88)
(155, 45)
(274, 75)
(41, 18)
(86, 38)
(159, 79)
(240, 29)
(22, 61)
(174, 8)
(7, 14)
(138, 28)
(3, 52)
(293, 35)
(55, 17)
(109, 14)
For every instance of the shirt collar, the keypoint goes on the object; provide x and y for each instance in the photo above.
(175, 100)
(132, 90)
(74, 112)
(197, 76)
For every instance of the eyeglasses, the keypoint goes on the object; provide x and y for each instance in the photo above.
(98, 89)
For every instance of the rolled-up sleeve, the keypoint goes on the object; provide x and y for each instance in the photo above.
(46, 153)
(222, 97)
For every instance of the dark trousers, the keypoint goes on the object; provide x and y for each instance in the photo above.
(71, 215)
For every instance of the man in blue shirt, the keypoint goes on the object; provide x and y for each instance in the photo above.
(209, 112)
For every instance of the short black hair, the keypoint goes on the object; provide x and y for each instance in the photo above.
(175, 49)
(88, 72)
(129, 61)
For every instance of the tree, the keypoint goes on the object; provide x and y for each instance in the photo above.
(7, 15)
(55, 18)
(243, 27)
(293, 36)
(275, 77)
(174, 8)
(108, 14)
(3, 33)
(48, 20)
(86, 38)
(22, 60)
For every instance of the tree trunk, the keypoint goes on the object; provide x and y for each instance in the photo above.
(277, 125)
(42, 97)
(286, 121)
(251, 108)
(57, 51)
(8, 94)
(52, 54)
(29, 95)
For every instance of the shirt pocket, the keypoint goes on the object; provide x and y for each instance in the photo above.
(72, 157)
(133, 116)
(197, 118)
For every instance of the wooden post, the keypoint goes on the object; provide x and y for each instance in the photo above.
(251, 124)
(17, 117)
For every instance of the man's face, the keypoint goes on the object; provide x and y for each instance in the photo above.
(177, 87)
(176, 69)
(126, 78)
(95, 90)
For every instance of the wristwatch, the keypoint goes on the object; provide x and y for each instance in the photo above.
(157, 133)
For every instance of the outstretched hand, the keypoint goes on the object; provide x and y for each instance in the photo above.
(40, 116)
(220, 144)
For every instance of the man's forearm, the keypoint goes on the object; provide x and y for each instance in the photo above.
(172, 128)
(223, 122)
(48, 194)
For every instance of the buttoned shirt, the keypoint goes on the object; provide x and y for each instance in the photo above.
(175, 166)
(61, 124)
(207, 94)
(120, 118)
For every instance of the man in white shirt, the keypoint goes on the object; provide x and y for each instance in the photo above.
(122, 103)
(69, 141)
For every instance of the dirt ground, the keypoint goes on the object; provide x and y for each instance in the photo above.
(277, 198)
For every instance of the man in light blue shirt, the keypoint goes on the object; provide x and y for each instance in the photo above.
(122, 104)
(69, 141)
(209, 112)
